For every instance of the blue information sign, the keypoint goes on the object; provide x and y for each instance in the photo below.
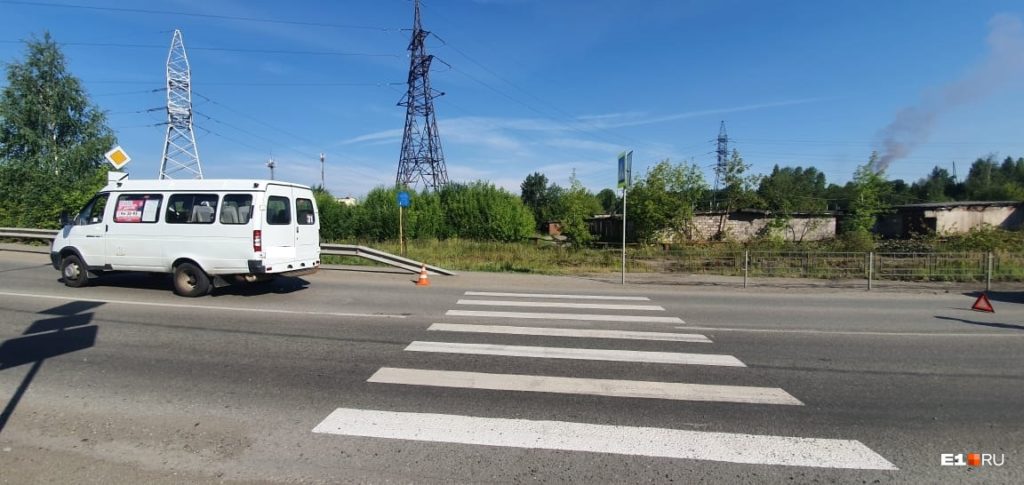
(625, 169)
(403, 199)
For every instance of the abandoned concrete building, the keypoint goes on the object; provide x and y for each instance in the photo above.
(946, 218)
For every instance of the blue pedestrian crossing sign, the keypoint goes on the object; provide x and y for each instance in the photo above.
(403, 199)
(625, 169)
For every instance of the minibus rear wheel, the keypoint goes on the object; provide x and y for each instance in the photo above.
(190, 280)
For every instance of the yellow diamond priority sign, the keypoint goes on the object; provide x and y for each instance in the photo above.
(117, 157)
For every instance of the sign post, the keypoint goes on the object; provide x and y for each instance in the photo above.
(403, 202)
(625, 177)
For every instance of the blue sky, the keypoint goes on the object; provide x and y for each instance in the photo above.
(552, 86)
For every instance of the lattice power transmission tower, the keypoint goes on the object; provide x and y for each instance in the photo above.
(723, 158)
(421, 158)
(181, 157)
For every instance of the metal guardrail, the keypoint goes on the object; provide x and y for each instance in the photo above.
(328, 249)
(380, 257)
(21, 233)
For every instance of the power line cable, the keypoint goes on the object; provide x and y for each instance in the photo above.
(198, 15)
(217, 49)
(567, 116)
(263, 137)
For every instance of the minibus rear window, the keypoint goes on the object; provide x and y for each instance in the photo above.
(278, 211)
(191, 209)
(304, 212)
(236, 209)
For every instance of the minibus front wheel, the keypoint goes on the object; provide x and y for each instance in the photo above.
(73, 271)
(190, 280)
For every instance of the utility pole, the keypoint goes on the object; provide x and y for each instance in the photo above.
(180, 157)
(322, 186)
(421, 158)
(271, 164)
(723, 160)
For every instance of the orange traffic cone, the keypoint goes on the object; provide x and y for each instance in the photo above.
(423, 281)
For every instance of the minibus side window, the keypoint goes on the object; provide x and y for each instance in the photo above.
(304, 212)
(236, 209)
(278, 211)
(92, 213)
(135, 208)
(191, 209)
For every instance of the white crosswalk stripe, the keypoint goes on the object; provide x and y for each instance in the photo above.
(565, 316)
(577, 354)
(576, 385)
(600, 438)
(551, 304)
(549, 295)
(570, 332)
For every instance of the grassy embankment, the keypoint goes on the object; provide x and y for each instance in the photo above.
(959, 257)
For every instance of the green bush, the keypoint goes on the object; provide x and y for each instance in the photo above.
(477, 211)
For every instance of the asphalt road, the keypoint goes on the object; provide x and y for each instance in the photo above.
(336, 378)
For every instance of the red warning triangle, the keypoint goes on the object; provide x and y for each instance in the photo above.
(982, 304)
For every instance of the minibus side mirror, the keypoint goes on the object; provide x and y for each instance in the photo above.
(64, 218)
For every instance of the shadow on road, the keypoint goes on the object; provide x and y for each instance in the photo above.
(279, 285)
(1005, 296)
(983, 324)
(68, 332)
(162, 282)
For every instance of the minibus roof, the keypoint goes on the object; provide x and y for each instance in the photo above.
(166, 185)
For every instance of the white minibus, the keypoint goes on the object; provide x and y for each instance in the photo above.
(206, 233)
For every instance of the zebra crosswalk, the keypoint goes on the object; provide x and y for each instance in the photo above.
(571, 436)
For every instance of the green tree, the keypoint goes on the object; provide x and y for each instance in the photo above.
(869, 191)
(332, 217)
(938, 186)
(793, 189)
(580, 205)
(544, 199)
(990, 180)
(481, 211)
(664, 199)
(533, 192)
(738, 190)
(52, 139)
(610, 202)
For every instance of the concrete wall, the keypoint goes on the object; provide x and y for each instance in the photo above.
(744, 226)
(949, 220)
(963, 219)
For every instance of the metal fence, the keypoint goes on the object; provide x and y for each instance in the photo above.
(953, 267)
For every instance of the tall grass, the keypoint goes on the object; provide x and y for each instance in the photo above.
(517, 257)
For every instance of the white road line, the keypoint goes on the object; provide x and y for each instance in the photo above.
(595, 387)
(571, 332)
(551, 304)
(565, 316)
(549, 295)
(205, 307)
(577, 354)
(855, 332)
(601, 438)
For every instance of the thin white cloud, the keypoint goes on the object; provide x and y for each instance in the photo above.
(706, 112)
(388, 135)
